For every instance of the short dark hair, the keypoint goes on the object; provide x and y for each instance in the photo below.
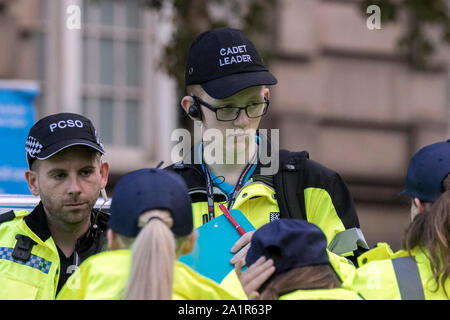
(35, 164)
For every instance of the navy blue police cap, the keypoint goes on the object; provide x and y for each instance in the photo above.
(59, 131)
(291, 243)
(148, 189)
(427, 169)
(224, 61)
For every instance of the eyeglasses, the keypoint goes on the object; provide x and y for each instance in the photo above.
(231, 112)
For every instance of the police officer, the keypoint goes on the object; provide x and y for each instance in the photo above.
(421, 269)
(227, 92)
(40, 249)
(150, 213)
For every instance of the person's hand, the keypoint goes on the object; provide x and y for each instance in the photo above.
(255, 275)
(244, 242)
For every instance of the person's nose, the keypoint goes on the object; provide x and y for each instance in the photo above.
(242, 120)
(74, 185)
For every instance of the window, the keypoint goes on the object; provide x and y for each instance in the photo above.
(112, 69)
(109, 72)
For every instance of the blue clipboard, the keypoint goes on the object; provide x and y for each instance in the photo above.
(212, 252)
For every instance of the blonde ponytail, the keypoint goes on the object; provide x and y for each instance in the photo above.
(154, 254)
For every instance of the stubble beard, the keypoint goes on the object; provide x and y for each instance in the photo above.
(61, 215)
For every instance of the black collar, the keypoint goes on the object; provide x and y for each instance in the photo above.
(37, 222)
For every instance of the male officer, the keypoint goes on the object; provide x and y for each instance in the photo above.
(39, 250)
(226, 84)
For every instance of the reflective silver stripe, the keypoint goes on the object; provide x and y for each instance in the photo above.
(408, 278)
(348, 241)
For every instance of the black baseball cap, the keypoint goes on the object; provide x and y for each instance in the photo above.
(292, 243)
(224, 61)
(426, 171)
(58, 131)
(148, 189)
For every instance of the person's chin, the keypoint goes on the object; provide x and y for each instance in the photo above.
(236, 147)
(76, 214)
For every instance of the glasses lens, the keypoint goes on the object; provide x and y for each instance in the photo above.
(256, 110)
(227, 113)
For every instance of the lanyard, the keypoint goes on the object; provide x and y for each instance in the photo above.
(241, 181)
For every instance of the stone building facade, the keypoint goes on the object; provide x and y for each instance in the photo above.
(347, 95)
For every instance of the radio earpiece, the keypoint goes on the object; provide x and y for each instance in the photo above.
(194, 110)
(104, 195)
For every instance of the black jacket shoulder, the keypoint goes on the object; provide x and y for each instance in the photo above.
(317, 175)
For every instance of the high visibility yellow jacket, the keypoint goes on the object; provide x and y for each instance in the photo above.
(343, 268)
(105, 275)
(387, 275)
(30, 264)
(27, 279)
(327, 202)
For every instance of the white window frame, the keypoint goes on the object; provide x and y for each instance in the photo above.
(64, 87)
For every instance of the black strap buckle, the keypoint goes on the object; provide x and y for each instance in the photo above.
(22, 249)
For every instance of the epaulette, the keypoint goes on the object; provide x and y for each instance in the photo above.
(7, 216)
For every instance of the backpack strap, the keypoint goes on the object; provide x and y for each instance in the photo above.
(288, 184)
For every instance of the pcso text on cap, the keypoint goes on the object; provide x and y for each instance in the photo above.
(56, 132)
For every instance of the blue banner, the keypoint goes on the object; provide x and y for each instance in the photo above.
(17, 115)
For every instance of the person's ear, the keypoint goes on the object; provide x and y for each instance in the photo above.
(417, 207)
(104, 172)
(32, 181)
(266, 93)
(420, 205)
(191, 109)
(189, 243)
